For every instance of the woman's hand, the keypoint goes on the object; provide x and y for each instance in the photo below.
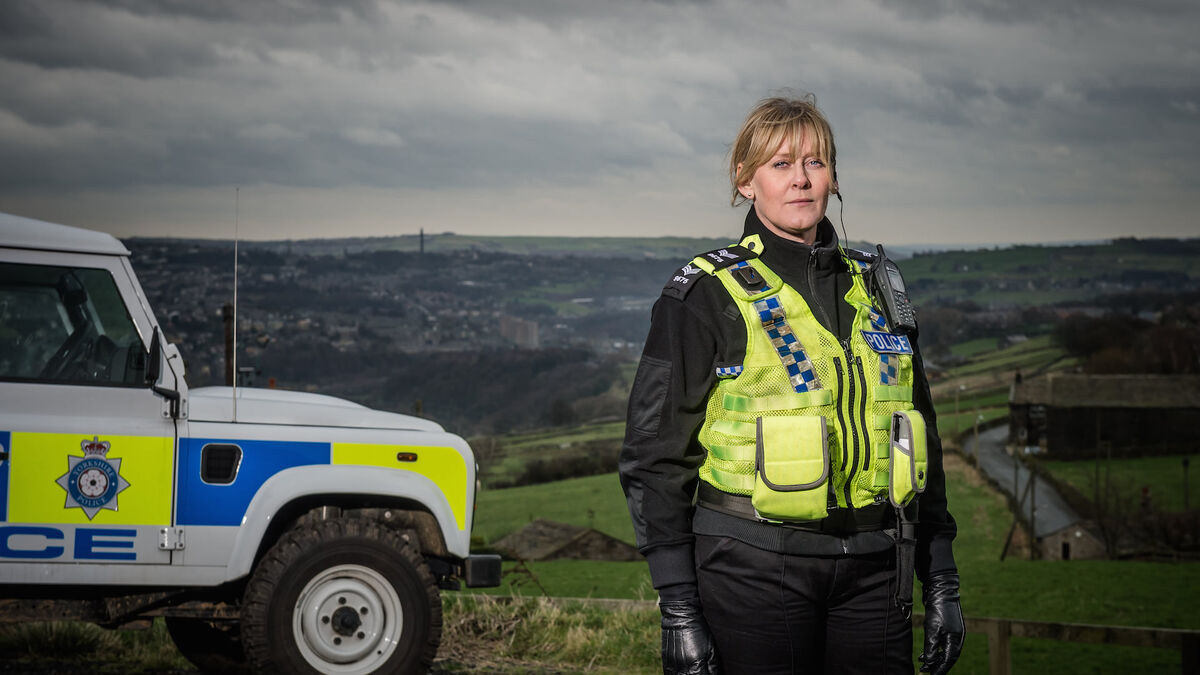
(687, 645)
(944, 628)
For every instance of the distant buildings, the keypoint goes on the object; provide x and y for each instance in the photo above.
(520, 332)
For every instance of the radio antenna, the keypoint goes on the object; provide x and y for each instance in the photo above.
(237, 198)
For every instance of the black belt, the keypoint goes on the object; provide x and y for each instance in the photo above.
(881, 516)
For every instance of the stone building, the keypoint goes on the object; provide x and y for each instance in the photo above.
(1075, 416)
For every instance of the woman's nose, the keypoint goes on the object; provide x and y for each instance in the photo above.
(800, 178)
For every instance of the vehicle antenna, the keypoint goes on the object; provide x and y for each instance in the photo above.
(237, 197)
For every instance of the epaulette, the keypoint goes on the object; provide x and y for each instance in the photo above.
(861, 256)
(685, 278)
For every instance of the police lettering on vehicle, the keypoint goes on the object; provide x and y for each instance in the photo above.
(887, 343)
(43, 542)
(93, 481)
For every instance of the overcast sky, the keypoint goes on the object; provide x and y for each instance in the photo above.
(982, 121)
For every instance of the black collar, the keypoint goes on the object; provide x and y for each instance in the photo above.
(779, 253)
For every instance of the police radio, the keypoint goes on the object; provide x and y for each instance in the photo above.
(887, 285)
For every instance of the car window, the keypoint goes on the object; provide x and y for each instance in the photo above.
(66, 325)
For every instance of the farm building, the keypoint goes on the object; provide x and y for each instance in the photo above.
(1074, 416)
(550, 540)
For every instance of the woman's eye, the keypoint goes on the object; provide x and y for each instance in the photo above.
(782, 164)
(816, 163)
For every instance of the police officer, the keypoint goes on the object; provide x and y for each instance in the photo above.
(781, 459)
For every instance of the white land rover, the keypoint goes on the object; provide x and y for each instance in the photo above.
(290, 532)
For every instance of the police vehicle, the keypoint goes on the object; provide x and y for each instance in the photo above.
(283, 531)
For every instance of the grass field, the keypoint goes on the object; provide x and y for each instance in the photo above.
(503, 459)
(594, 501)
(1164, 476)
(1029, 356)
(975, 347)
(559, 436)
(1097, 592)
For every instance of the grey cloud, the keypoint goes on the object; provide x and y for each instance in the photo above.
(987, 101)
(151, 38)
(447, 151)
(253, 11)
(24, 19)
(57, 35)
(1022, 11)
(558, 13)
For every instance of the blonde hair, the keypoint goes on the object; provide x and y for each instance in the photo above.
(769, 124)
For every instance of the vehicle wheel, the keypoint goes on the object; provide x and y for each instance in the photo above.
(346, 595)
(214, 647)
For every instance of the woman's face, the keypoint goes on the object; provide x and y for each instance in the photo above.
(790, 197)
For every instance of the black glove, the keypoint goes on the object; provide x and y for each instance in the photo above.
(687, 646)
(944, 629)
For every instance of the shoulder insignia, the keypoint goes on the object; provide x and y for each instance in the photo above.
(724, 257)
(685, 278)
(683, 281)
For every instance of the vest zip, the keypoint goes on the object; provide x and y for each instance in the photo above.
(837, 366)
(862, 414)
(811, 264)
(853, 430)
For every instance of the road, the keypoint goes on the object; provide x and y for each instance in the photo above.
(1052, 514)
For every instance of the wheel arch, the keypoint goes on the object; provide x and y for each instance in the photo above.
(399, 498)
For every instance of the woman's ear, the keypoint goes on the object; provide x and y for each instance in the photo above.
(744, 188)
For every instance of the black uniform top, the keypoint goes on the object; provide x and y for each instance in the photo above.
(695, 327)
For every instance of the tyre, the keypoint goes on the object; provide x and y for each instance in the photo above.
(346, 595)
(213, 647)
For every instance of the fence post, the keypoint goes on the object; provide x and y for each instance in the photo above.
(999, 660)
(1190, 646)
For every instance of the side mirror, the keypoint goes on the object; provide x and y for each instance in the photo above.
(154, 370)
(154, 361)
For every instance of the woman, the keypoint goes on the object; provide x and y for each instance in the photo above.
(772, 456)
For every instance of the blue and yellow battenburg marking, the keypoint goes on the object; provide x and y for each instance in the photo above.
(70, 479)
(201, 503)
(725, 372)
(801, 373)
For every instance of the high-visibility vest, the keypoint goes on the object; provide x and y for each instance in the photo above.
(808, 421)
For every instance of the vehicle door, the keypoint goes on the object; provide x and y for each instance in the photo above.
(87, 470)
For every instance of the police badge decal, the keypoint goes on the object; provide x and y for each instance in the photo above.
(93, 481)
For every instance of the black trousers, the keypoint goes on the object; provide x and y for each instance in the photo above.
(778, 613)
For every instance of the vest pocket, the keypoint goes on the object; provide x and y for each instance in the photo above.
(791, 465)
(908, 458)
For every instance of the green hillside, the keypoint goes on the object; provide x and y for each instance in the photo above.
(1045, 275)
